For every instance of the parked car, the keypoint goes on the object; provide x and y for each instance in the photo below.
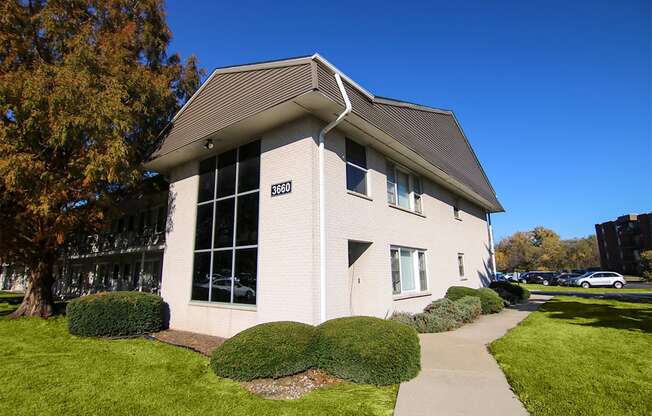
(564, 278)
(601, 278)
(539, 277)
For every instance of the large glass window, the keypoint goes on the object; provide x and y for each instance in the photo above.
(403, 188)
(356, 167)
(226, 238)
(408, 270)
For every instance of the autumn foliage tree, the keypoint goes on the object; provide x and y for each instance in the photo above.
(543, 249)
(85, 88)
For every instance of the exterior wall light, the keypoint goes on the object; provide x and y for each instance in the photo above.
(209, 144)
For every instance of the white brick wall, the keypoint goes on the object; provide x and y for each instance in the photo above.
(288, 261)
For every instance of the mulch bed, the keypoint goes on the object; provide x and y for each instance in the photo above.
(204, 344)
(284, 388)
(290, 387)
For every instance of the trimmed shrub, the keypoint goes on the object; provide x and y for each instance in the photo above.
(369, 350)
(458, 292)
(114, 314)
(490, 301)
(510, 292)
(469, 307)
(269, 350)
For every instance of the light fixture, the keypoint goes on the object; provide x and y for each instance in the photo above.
(209, 144)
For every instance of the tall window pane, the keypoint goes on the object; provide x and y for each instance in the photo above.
(391, 183)
(206, 180)
(249, 167)
(460, 264)
(247, 228)
(356, 154)
(403, 185)
(201, 276)
(204, 226)
(423, 278)
(226, 173)
(224, 222)
(396, 272)
(407, 270)
(244, 289)
(221, 283)
(417, 193)
(356, 180)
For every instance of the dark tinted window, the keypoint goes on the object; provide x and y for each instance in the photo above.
(222, 263)
(356, 180)
(356, 154)
(249, 167)
(226, 174)
(245, 276)
(247, 228)
(224, 222)
(204, 232)
(206, 180)
(201, 276)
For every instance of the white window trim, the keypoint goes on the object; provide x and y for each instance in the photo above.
(411, 194)
(416, 269)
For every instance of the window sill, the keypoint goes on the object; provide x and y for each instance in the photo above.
(359, 195)
(406, 210)
(464, 279)
(412, 295)
(218, 305)
(458, 219)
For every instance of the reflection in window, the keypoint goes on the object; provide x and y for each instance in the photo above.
(408, 270)
(226, 243)
(356, 167)
(403, 188)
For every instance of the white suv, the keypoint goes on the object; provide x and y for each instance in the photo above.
(600, 278)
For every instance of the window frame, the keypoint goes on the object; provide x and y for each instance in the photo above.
(461, 270)
(414, 254)
(413, 196)
(457, 212)
(348, 163)
(234, 247)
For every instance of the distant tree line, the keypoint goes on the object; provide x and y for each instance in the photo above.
(543, 249)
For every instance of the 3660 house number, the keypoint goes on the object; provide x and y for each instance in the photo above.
(282, 188)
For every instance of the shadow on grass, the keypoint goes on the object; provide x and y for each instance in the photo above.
(603, 315)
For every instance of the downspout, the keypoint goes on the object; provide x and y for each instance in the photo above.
(322, 198)
(492, 251)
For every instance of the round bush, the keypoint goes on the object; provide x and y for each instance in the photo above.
(113, 314)
(470, 308)
(269, 350)
(511, 292)
(369, 350)
(491, 302)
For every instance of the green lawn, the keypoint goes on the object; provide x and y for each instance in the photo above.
(579, 356)
(48, 372)
(543, 288)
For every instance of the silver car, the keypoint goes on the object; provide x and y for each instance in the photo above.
(600, 278)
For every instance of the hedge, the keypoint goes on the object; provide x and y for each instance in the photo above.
(510, 292)
(491, 302)
(442, 315)
(369, 350)
(269, 350)
(114, 314)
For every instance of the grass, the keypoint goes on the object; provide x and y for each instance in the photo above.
(578, 356)
(46, 371)
(597, 290)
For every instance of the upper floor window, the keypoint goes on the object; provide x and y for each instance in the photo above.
(456, 210)
(356, 167)
(408, 270)
(226, 236)
(403, 188)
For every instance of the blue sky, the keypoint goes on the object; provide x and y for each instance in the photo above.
(554, 96)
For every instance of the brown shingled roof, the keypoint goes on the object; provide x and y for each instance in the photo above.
(232, 94)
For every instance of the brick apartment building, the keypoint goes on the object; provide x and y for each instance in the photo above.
(622, 241)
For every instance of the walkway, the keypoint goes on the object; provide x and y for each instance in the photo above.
(459, 376)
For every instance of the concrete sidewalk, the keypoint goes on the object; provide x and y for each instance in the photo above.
(459, 376)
